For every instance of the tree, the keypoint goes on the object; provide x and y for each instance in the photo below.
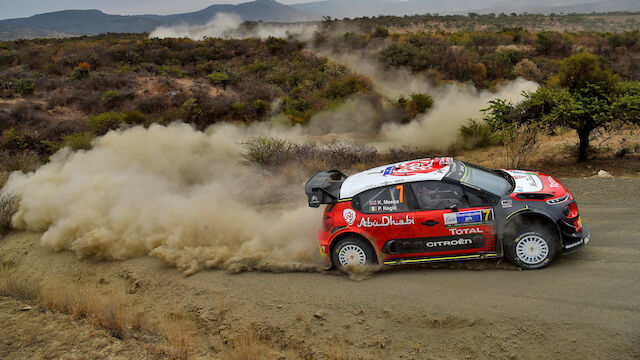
(582, 96)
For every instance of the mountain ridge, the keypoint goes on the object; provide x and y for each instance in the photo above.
(67, 23)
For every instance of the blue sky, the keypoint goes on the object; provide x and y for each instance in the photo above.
(23, 8)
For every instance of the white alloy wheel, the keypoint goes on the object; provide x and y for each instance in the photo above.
(351, 254)
(532, 249)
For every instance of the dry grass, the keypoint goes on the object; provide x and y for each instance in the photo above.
(22, 288)
(245, 346)
(180, 337)
(109, 312)
(8, 207)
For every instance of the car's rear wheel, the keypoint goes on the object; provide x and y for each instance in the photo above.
(531, 249)
(352, 251)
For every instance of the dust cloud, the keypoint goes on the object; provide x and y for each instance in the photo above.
(172, 192)
(185, 196)
(230, 26)
(454, 103)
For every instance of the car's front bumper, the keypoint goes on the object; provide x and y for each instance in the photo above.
(575, 241)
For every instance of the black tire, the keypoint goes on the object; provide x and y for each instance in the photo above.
(532, 248)
(352, 251)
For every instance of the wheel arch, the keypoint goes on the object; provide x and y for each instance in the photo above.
(346, 234)
(533, 216)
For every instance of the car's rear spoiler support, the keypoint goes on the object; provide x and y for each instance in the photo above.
(324, 187)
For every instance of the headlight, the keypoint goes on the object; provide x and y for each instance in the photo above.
(559, 200)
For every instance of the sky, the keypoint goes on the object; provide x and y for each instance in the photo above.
(24, 8)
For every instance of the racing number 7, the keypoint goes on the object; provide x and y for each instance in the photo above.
(401, 195)
(486, 214)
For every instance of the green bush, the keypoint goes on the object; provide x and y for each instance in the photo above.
(78, 73)
(79, 140)
(110, 95)
(476, 134)
(261, 107)
(25, 162)
(218, 78)
(134, 117)
(239, 107)
(380, 32)
(191, 110)
(267, 151)
(346, 87)
(104, 122)
(24, 87)
(421, 102)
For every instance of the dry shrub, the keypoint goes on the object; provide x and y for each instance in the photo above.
(151, 104)
(180, 338)
(245, 346)
(521, 144)
(269, 152)
(8, 207)
(109, 312)
(344, 352)
(18, 287)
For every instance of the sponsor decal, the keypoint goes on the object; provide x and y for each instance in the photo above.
(468, 217)
(465, 231)
(553, 183)
(457, 242)
(434, 244)
(349, 216)
(570, 246)
(386, 221)
(506, 203)
(415, 167)
(526, 182)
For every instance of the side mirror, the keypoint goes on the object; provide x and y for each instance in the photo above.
(454, 208)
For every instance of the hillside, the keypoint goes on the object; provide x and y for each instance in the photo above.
(92, 22)
(360, 8)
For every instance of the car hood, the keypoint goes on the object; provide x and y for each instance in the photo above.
(536, 182)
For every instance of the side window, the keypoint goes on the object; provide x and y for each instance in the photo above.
(474, 200)
(436, 195)
(388, 199)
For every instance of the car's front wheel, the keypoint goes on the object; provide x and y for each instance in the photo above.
(532, 249)
(352, 251)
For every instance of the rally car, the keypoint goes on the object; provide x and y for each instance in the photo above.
(441, 209)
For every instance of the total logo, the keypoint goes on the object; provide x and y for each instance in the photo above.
(465, 231)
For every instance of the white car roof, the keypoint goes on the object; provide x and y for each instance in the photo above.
(398, 173)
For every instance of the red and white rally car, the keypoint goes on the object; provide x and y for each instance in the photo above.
(442, 209)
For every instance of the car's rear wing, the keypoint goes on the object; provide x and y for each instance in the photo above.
(324, 187)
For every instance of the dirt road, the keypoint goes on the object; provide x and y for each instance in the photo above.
(584, 306)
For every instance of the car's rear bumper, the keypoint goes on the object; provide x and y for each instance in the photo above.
(575, 241)
(324, 241)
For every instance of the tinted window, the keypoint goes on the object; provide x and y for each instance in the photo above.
(486, 180)
(384, 200)
(436, 195)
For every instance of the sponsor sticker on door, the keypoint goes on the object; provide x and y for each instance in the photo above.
(468, 217)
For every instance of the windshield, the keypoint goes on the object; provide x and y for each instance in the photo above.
(485, 179)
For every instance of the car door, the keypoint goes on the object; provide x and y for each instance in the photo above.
(384, 213)
(450, 220)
